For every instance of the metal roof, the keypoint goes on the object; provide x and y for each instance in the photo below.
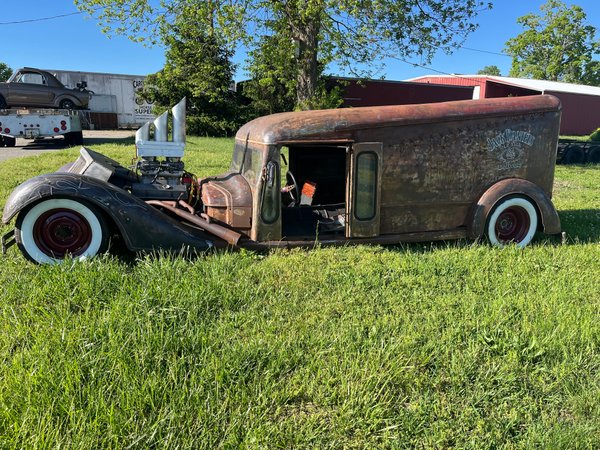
(553, 86)
(542, 86)
(340, 124)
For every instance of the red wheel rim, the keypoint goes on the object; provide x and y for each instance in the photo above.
(59, 232)
(512, 225)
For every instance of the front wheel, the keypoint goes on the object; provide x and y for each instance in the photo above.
(57, 228)
(513, 221)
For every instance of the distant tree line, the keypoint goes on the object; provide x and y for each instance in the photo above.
(289, 44)
(558, 45)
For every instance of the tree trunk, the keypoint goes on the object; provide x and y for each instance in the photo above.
(308, 71)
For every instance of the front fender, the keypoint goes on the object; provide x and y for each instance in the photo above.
(141, 226)
(513, 186)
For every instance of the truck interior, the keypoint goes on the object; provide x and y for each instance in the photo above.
(314, 190)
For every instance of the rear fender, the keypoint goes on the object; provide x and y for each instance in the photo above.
(513, 186)
(62, 97)
(141, 226)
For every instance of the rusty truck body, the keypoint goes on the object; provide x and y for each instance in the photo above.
(376, 175)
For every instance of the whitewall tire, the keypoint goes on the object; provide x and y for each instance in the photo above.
(513, 220)
(57, 228)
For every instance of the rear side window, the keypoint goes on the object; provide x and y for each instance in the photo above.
(365, 194)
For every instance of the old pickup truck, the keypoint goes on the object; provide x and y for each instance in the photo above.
(376, 175)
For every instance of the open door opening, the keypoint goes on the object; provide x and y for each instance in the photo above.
(314, 192)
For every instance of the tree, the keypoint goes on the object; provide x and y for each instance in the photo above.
(490, 70)
(198, 66)
(556, 45)
(5, 72)
(348, 32)
(272, 85)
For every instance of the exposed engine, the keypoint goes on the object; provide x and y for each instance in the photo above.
(159, 166)
(161, 179)
(221, 206)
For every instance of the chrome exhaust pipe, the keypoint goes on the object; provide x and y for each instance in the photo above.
(179, 121)
(161, 127)
(143, 133)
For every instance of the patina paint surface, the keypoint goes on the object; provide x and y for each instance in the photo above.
(438, 159)
(435, 171)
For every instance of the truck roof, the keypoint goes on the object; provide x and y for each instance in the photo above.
(339, 124)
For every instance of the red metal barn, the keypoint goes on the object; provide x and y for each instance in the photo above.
(581, 104)
(356, 92)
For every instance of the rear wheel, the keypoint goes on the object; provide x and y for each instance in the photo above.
(9, 141)
(67, 104)
(57, 228)
(3, 104)
(74, 138)
(513, 221)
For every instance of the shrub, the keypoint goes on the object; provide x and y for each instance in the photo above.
(207, 125)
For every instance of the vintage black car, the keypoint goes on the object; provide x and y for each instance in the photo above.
(29, 87)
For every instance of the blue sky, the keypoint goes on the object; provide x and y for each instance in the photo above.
(77, 43)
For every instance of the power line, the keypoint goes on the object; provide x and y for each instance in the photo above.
(16, 22)
(485, 51)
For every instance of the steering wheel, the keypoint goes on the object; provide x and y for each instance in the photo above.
(291, 187)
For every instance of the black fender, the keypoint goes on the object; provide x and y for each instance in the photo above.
(513, 186)
(62, 97)
(142, 226)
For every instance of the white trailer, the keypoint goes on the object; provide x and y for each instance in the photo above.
(39, 123)
(131, 109)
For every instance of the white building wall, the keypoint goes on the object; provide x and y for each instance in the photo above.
(130, 109)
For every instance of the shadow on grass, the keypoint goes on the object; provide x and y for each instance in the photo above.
(89, 141)
(44, 144)
(582, 225)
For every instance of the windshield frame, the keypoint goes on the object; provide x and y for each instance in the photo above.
(248, 160)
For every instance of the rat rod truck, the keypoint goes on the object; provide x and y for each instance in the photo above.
(375, 175)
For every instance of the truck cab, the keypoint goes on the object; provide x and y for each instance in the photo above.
(393, 173)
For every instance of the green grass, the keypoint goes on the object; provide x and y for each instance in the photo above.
(429, 346)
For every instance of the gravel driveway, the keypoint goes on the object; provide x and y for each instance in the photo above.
(90, 138)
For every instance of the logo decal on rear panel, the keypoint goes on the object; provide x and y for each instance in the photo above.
(509, 146)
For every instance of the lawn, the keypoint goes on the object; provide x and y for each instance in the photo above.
(430, 346)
